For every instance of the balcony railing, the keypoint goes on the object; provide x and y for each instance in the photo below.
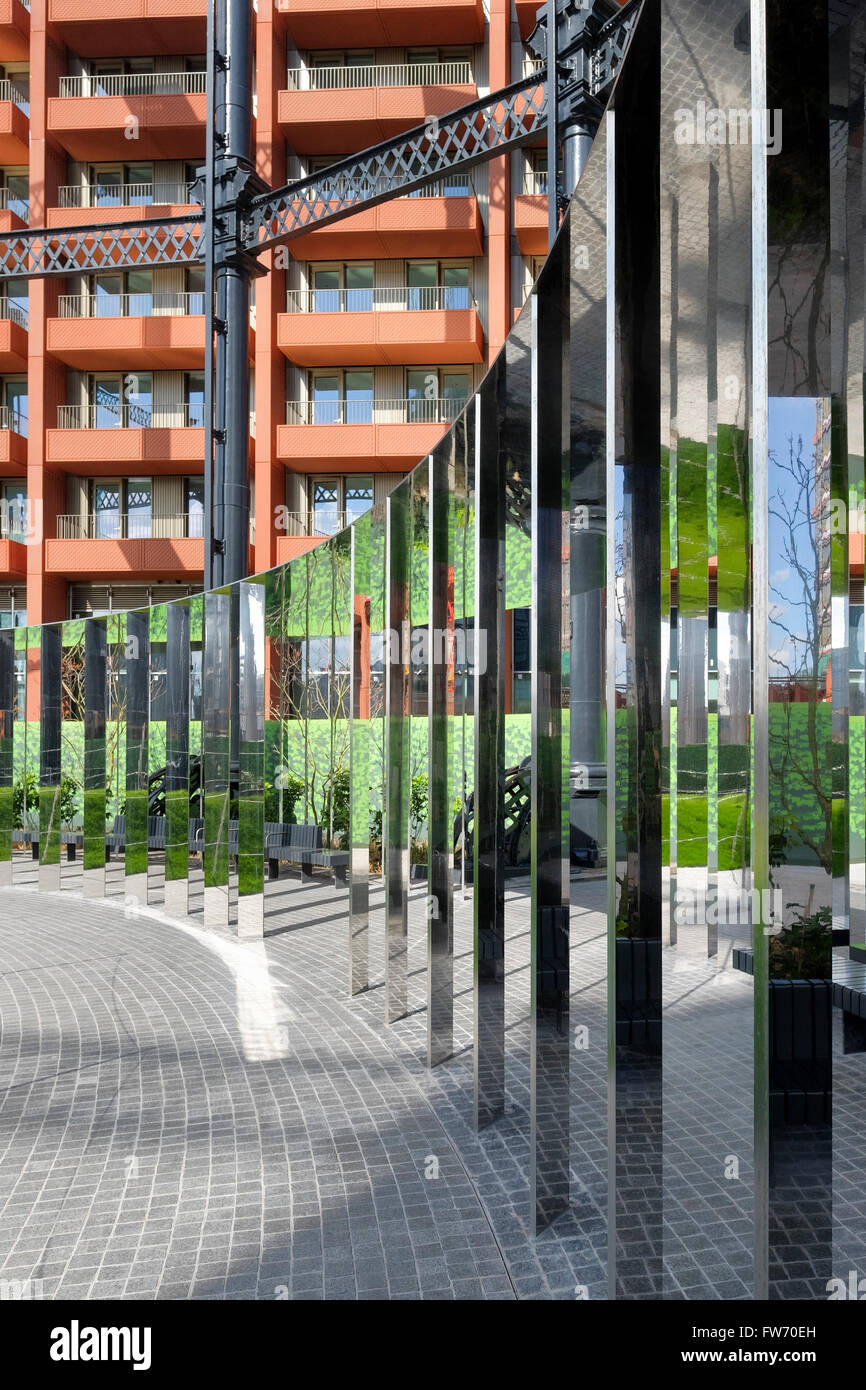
(12, 419)
(134, 84)
(115, 195)
(129, 415)
(532, 65)
(535, 181)
(12, 309)
(407, 297)
(13, 521)
(10, 92)
(319, 522)
(380, 75)
(13, 202)
(115, 526)
(121, 306)
(420, 411)
(344, 190)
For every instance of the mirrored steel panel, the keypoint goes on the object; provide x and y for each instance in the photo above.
(170, 832)
(7, 757)
(135, 684)
(216, 758)
(251, 761)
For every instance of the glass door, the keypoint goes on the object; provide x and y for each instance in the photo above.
(106, 510)
(422, 279)
(106, 187)
(139, 292)
(15, 401)
(359, 288)
(106, 399)
(326, 400)
(455, 285)
(326, 501)
(139, 507)
(326, 291)
(107, 292)
(358, 387)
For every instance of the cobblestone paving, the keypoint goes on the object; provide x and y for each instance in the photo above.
(186, 1116)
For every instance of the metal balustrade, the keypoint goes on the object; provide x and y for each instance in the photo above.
(12, 419)
(110, 195)
(14, 310)
(315, 523)
(409, 297)
(535, 181)
(457, 73)
(13, 520)
(101, 306)
(345, 189)
(73, 526)
(10, 92)
(134, 84)
(438, 410)
(129, 415)
(13, 202)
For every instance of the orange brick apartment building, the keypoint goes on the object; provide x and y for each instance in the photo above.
(363, 346)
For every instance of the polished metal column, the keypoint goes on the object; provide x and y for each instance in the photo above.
(216, 755)
(51, 656)
(549, 921)
(488, 826)
(440, 810)
(7, 727)
(396, 836)
(251, 761)
(177, 818)
(136, 684)
(359, 761)
(93, 853)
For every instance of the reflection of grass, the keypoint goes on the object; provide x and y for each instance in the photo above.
(692, 842)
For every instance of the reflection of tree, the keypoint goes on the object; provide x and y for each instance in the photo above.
(116, 706)
(797, 660)
(310, 680)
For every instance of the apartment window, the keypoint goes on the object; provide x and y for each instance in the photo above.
(536, 172)
(15, 405)
(121, 507)
(338, 501)
(341, 398)
(434, 285)
(116, 185)
(194, 506)
(15, 186)
(120, 401)
(121, 294)
(422, 57)
(342, 287)
(13, 510)
(436, 394)
(193, 399)
(194, 286)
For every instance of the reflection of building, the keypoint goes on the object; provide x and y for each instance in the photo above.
(365, 346)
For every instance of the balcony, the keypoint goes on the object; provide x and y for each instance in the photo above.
(168, 547)
(14, 123)
(14, 30)
(85, 205)
(93, 116)
(125, 331)
(14, 210)
(170, 440)
(530, 215)
(380, 327)
(330, 110)
(13, 559)
(13, 442)
(13, 336)
(381, 23)
(363, 436)
(162, 26)
(442, 219)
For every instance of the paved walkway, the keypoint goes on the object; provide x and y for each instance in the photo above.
(186, 1116)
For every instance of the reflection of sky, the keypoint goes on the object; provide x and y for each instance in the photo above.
(790, 417)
